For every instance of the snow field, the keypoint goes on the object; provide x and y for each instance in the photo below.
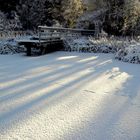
(73, 96)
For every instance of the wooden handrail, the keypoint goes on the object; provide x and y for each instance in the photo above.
(64, 29)
(62, 32)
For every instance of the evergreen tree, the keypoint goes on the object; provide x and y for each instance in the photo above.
(7, 6)
(9, 24)
(67, 11)
(72, 9)
(131, 16)
(114, 17)
(32, 13)
(37, 12)
(2, 21)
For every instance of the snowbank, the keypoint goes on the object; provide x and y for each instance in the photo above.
(126, 50)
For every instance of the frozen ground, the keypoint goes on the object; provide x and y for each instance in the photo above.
(69, 96)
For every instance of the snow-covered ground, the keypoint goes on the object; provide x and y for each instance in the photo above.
(69, 96)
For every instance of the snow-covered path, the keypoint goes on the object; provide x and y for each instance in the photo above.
(69, 96)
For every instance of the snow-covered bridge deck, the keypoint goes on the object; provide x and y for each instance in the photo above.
(45, 46)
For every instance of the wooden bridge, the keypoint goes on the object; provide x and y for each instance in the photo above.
(50, 39)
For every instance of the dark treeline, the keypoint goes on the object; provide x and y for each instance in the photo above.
(120, 17)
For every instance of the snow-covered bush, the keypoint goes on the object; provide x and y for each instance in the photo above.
(131, 54)
(10, 46)
(125, 49)
(80, 45)
(92, 45)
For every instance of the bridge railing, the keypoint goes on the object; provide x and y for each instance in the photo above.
(48, 32)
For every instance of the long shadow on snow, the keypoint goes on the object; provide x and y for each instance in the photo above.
(29, 105)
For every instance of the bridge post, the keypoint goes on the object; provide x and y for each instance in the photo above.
(28, 50)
